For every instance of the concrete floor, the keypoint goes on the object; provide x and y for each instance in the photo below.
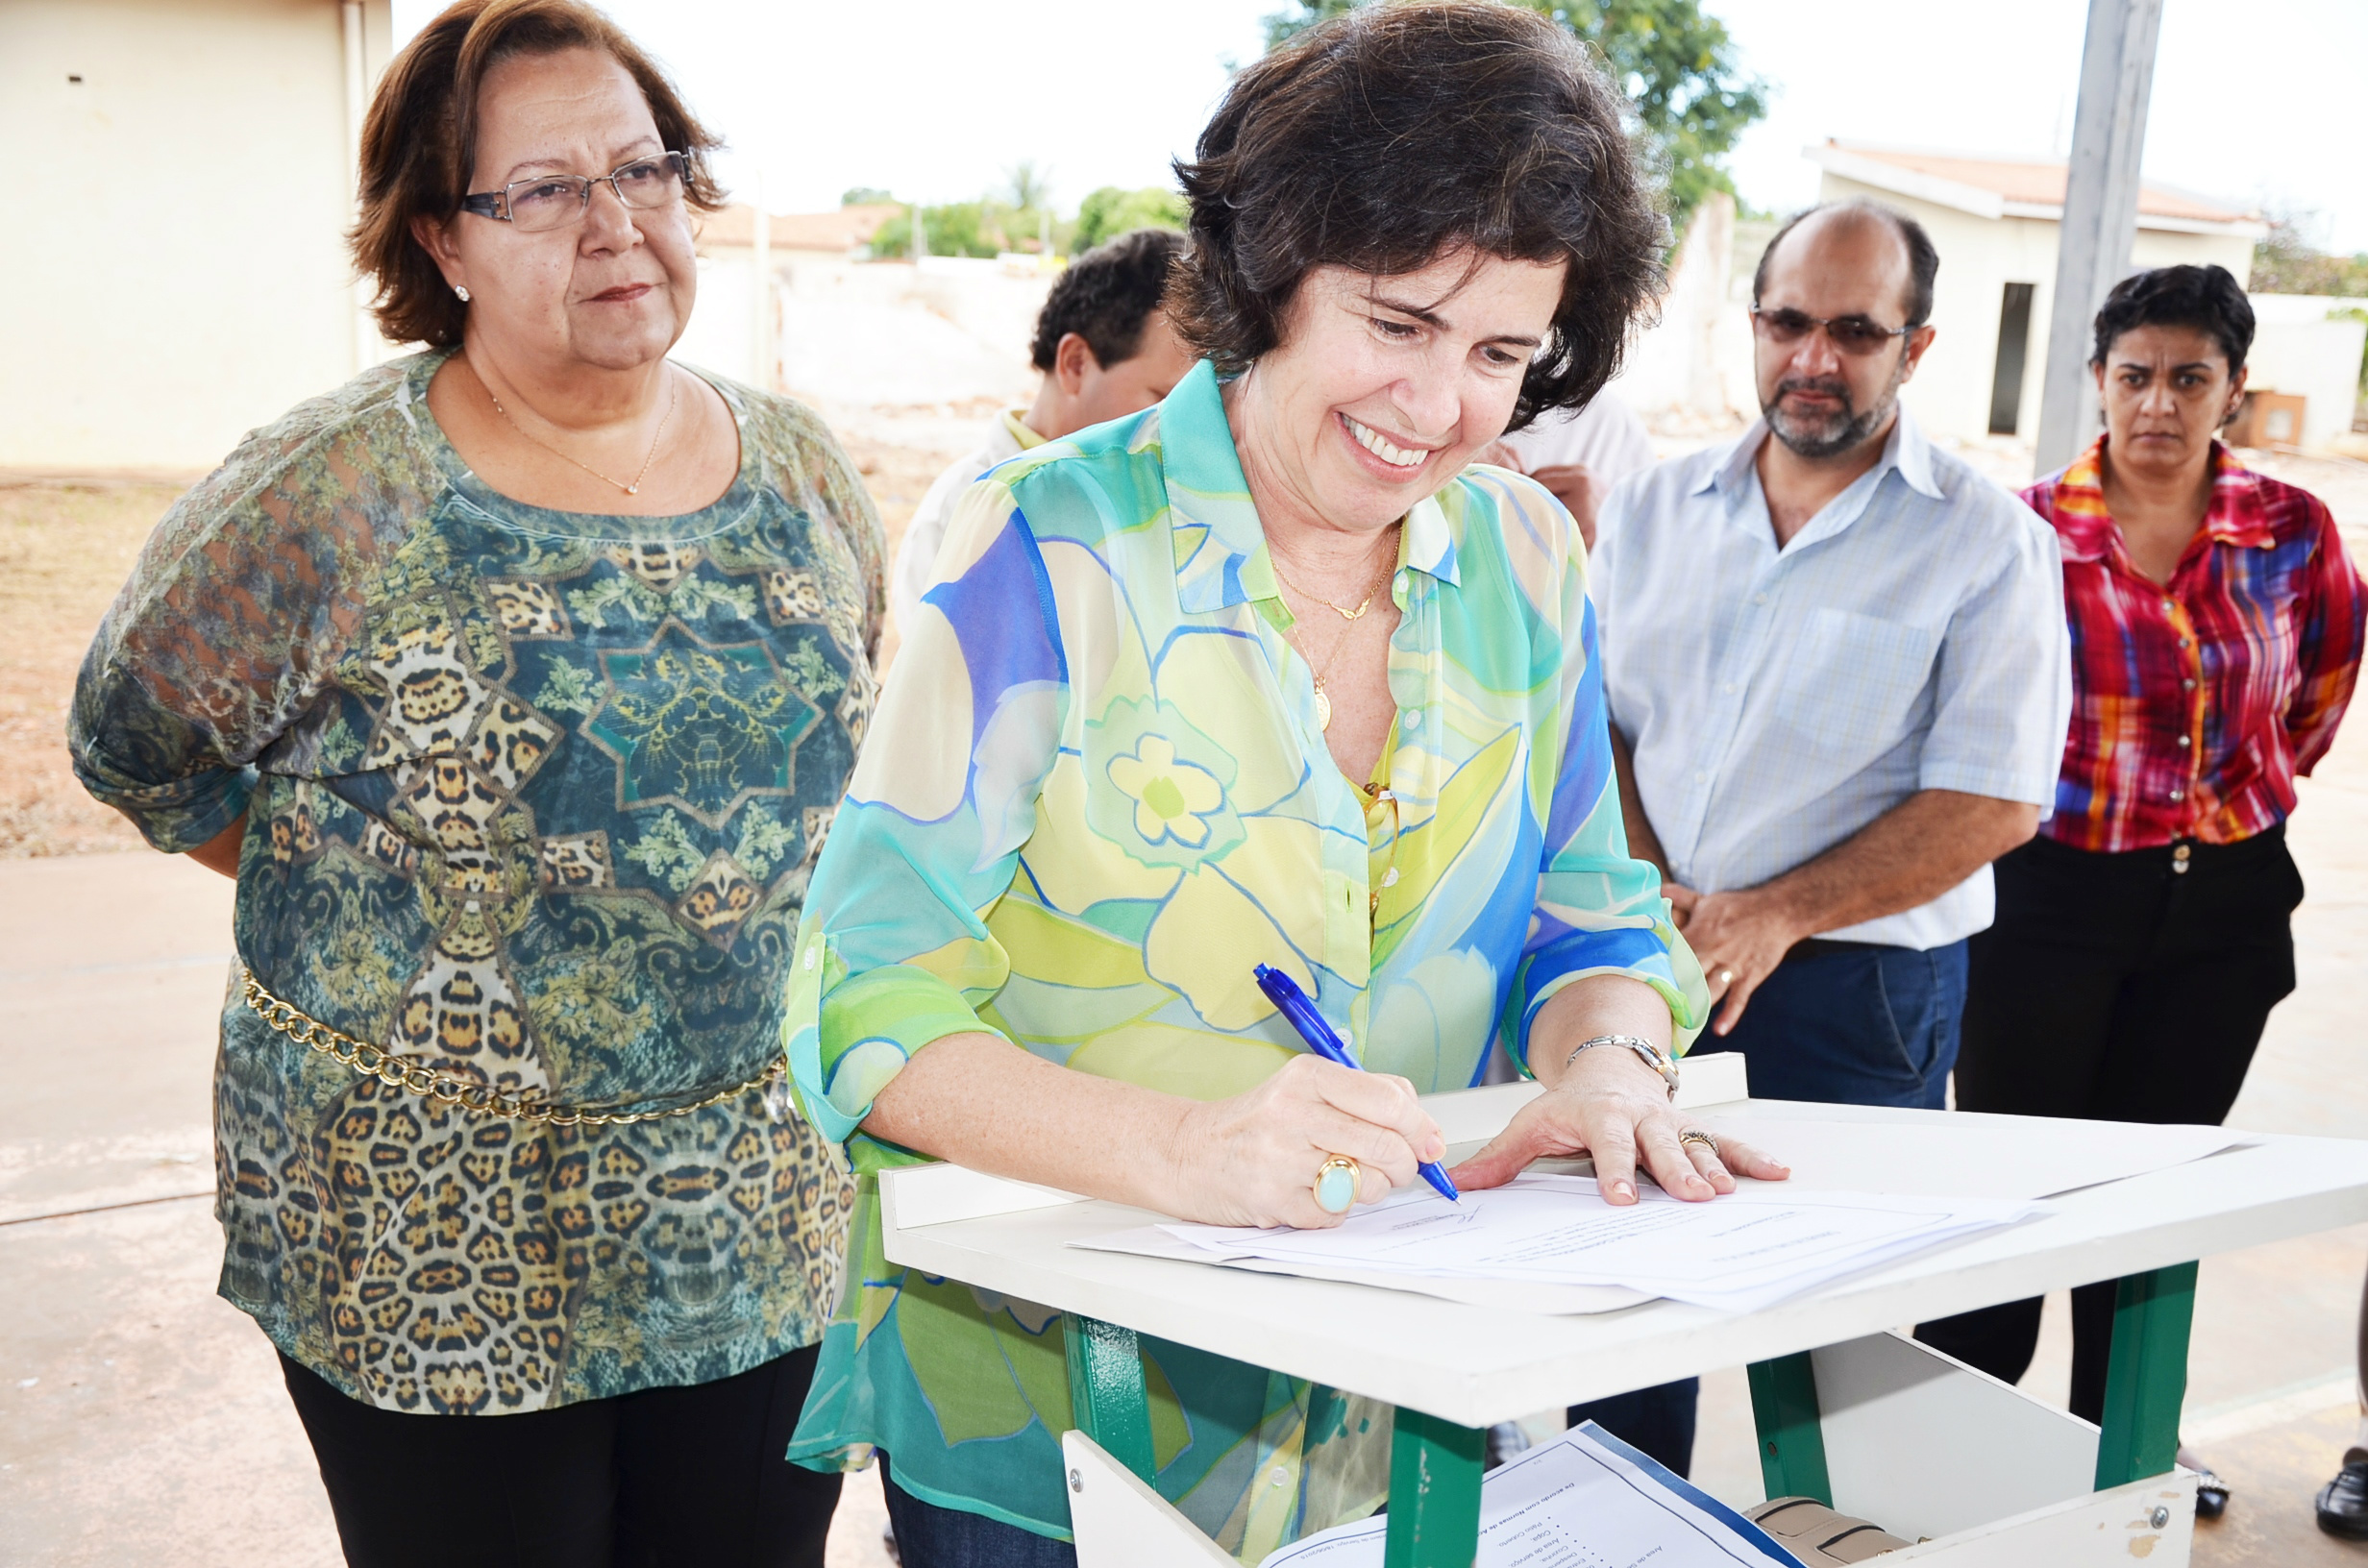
(141, 1419)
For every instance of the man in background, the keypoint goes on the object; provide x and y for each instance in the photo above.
(1106, 350)
(1838, 673)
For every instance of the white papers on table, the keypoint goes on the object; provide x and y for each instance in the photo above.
(1582, 1501)
(1498, 1295)
(1737, 1252)
(1973, 1156)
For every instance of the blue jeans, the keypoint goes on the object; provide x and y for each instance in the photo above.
(1851, 1023)
(1854, 1023)
(928, 1536)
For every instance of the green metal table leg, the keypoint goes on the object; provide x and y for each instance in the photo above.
(2146, 1380)
(1784, 1407)
(1105, 1391)
(1434, 1492)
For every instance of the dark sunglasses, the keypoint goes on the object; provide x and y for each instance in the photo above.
(1851, 335)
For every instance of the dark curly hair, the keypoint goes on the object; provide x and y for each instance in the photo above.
(1388, 137)
(1106, 295)
(2207, 298)
(419, 142)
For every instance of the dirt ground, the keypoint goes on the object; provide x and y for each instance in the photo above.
(64, 552)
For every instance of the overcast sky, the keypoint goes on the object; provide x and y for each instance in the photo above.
(933, 98)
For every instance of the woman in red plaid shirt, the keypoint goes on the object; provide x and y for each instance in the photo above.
(2144, 937)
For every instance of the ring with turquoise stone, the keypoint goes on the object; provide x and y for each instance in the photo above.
(1337, 1181)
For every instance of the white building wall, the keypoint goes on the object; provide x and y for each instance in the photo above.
(949, 330)
(179, 271)
(2300, 345)
(1979, 257)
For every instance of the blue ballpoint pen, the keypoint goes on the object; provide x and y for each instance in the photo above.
(1293, 1003)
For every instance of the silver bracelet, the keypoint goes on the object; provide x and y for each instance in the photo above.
(1654, 1056)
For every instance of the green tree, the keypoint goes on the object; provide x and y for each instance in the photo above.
(1689, 97)
(1028, 186)
(956, 228)
(987, 226)
(2285, 261)
(865, 196)
(1111, 211)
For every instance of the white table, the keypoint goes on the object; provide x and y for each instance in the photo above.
(1453, 1370)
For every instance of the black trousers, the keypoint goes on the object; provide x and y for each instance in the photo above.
(692, 1477)
(2128, 987)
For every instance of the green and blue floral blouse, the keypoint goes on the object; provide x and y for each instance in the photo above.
(1097, 794)
(531, 798)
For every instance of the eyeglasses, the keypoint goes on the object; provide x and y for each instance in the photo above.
(1854, 335)
(554, 201)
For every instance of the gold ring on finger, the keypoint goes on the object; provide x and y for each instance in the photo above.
(1695, 1134)
(1337, 1181)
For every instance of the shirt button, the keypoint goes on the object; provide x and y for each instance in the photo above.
(1279, 1475)
(2188, 683)
(2182, 742)
(1699, 776)
(2168, 606)
(1758, 598)
(2176, 794)
(1728, 688)
(1411, 719)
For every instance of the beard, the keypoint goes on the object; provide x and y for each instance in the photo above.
(1817, 437)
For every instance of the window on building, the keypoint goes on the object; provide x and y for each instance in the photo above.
(2006, 387)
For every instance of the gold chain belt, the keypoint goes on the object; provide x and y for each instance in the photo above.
(401, 1072)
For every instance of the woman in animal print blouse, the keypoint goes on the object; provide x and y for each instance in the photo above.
(516, 682)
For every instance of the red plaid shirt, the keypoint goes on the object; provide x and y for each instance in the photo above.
(2196, 703)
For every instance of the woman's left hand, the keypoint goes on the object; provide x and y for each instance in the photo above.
(1611, 1104)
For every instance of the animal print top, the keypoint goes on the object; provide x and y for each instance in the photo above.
(531, 797)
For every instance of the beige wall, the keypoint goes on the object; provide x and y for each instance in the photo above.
(179, 275)
(1979, 257)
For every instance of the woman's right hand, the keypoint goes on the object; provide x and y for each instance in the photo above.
(1252, 1159)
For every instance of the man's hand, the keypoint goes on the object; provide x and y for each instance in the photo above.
(1682, 901)
(1739, 938)
(1574, 485)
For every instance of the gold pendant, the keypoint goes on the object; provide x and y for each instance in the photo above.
(1323, 708)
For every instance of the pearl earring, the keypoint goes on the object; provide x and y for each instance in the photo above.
(461, 289)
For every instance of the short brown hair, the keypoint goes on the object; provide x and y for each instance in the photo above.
(419, 144)
(1391, 135)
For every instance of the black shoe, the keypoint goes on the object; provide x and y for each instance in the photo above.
(2211, 1493)
(2343, 1502)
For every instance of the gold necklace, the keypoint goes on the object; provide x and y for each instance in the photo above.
(1363, 604)
(673, 395)
(1323, 702)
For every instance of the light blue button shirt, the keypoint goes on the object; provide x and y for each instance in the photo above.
(1911, 637)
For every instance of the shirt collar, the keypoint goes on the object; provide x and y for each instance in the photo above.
(1220, 554)
(2235, 515)
(1023, 435)
(1906, 449)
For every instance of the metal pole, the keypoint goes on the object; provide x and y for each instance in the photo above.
(2100, 211)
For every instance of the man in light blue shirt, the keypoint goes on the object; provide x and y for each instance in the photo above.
(1839, 680)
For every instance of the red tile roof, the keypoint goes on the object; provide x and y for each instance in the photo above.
(2034, 183)
(841, 230)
